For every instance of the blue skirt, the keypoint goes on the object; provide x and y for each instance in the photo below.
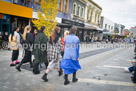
(70, 66)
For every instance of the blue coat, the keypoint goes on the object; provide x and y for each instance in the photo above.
(70, 64)
(71, 47)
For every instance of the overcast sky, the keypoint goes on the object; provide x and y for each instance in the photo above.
(119, 11)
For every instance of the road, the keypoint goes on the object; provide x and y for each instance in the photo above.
(102, 70)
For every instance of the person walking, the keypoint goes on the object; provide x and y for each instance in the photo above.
(87, 38)
(58, 37)
(28, 46)
(40, 53)
(54, 47)
(70, 62)
(66, 33)
(35, 34)
(14, 41)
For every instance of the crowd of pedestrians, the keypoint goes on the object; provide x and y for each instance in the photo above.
(46, 50)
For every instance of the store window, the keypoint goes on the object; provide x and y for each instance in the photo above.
(38, 1)
(65, 5)
(112, 28)
(60, 5)
(82, 12)
(109, 27)
(105, 26)
(78, 11)
(88, 14)
(74, 8)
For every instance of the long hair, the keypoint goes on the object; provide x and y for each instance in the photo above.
(66, 33)
(53, 36)
(12, 34)
(42, 29)
(57, 29)
(27, 28)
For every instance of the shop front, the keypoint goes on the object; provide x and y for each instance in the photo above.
(5, 23)
(80, 27)
(12, 15)
(91, 32)
(20, 22)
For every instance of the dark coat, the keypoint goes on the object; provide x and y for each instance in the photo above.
(40, 49)
(5, 38)
(29, 41)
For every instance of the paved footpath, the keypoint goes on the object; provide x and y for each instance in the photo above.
(101, 71)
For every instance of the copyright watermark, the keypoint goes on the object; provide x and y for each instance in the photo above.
(43, 46)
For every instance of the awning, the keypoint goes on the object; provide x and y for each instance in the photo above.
(16, 10)
(107, 33)
(64, 25)
(106, 30)
(88, 28)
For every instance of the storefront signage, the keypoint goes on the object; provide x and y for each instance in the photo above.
(72, 23)
(13, 9)
(1, 16)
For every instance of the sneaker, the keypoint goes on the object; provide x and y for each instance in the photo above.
(126, 69)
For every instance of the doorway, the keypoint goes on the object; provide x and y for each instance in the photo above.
(5, 28)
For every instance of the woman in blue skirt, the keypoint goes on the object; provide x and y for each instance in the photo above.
(70, 62)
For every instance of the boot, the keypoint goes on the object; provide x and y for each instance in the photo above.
(31, 64)
(12, 64)
(45, 77)
(74, 77)
(66, 80)
(46, 64)
(60, 72)
(17, 62)
(134, 79)
(36, 68)
(18, 67)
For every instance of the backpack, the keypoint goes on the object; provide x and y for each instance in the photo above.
(22, 41)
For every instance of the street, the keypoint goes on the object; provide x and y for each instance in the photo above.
(102, 70)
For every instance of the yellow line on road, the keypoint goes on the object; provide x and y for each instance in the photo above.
(106, 82)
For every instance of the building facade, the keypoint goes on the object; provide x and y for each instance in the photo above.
(78, 16)
(64, 8)
(92, 21)
(85, 14)
(108, 27)
(14, 13)
(119, 30)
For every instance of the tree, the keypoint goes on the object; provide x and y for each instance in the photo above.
(47, 15)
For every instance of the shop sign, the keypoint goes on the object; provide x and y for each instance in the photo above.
(72, 23)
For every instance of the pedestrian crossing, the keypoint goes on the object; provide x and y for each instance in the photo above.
(107, 82)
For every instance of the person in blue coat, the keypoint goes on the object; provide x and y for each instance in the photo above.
(70, 62)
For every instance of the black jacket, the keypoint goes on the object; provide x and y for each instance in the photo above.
(29, 41)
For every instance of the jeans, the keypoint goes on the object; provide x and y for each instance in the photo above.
(131, 69)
